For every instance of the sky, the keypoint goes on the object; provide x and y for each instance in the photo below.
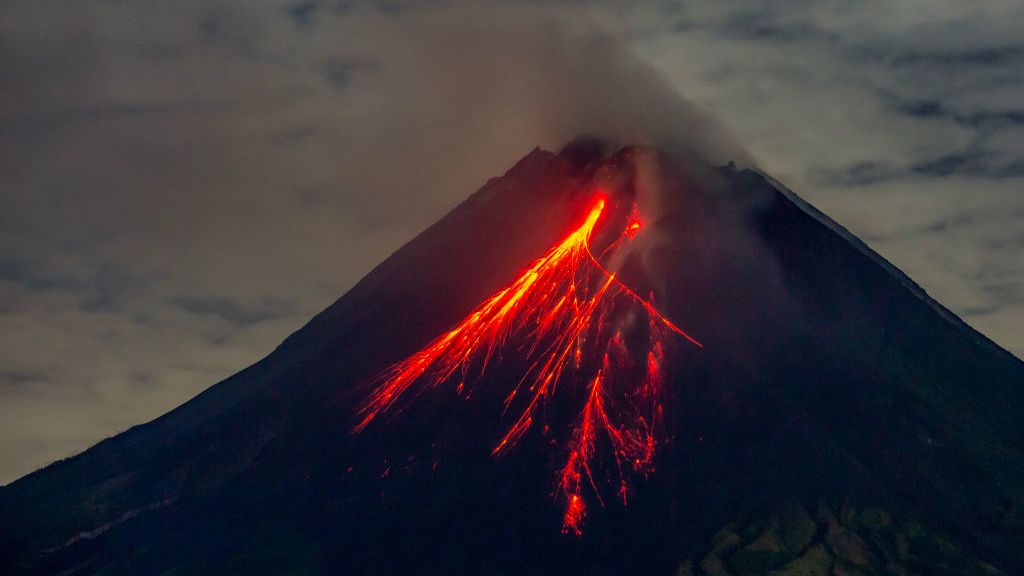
(183, 184)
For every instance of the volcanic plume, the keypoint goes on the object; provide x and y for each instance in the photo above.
(603, 362)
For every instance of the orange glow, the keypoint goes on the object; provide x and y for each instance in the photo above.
(559, 312)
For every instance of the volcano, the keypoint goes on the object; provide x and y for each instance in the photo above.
(602, 362)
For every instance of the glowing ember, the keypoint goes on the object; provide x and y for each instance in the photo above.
(565, 308)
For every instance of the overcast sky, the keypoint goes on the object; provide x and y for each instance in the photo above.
(183, 184)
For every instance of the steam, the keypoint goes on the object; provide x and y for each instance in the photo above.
(483, 83)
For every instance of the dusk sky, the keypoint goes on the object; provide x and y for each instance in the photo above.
(186, 183)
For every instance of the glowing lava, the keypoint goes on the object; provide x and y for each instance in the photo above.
(565, 310)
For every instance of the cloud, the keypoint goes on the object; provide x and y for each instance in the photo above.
(900, 122)
(184, 174)
(240, 314)
(215, 173)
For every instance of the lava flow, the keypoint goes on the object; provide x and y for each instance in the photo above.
(565, 312)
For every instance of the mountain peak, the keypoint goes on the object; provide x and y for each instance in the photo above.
(825, 415)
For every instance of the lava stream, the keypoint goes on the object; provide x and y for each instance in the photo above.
(562, 308)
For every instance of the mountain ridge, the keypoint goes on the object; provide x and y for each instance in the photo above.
(863, 247)
(763, 415)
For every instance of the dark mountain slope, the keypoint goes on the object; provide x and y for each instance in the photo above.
(836, 418)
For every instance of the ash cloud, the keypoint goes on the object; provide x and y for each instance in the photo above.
(522, 75)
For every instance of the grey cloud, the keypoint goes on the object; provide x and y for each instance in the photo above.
(886, 109)
(859, 174)
(972, 118)
(302, 12)
(767, 25)
(238, 313)
(340, 72)
(20, 379)
(211, 173)
(97, 288)
(945, 165)
(181, 174)
(975, 163)
(973, 58)
(923, 109)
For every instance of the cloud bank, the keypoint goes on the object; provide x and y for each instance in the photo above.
(184, 184)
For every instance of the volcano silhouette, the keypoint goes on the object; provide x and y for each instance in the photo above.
(836, 420)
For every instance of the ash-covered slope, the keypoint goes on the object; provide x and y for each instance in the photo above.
(836, 418)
